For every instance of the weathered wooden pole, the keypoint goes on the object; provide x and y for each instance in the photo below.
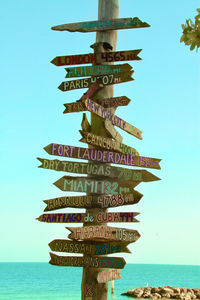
(107, 10)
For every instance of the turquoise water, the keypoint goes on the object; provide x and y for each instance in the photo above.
(43, 281)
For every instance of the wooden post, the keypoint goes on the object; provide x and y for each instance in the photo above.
(112, 286)
(107, 10)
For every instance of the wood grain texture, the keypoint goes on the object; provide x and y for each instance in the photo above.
(89, 248)
(93, 201)
(87, 261)
(102, 25)
(97, 155)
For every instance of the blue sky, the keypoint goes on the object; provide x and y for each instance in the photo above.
(164, 105)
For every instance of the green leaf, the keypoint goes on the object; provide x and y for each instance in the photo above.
(192, 46)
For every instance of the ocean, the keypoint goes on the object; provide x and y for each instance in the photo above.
(24, 281)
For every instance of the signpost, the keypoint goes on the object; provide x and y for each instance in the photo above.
(92, 26)
(109, 102)
(106, 143)
(102, 156)
(101, 170)
(94, 201)
(103, 113)
(87, 82)
(97, 70)
(101, 217)
(90, 248)
(92, 58)
(88, 261)
(103, 233)
(106, 186)
(108, 275)
(93, 186)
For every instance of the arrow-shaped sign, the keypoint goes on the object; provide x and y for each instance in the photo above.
(101, 217)
(87, 82)
(92, 58)
(102, 25)
(107, 102)
(97, 70)
(106, 114)
(108, 275)
(94, 186)
(101, 170)
(102, 156)
(88, 261)
(103, 201)
(106, 143)
(90, 248)
(102, 233)
(114, 101)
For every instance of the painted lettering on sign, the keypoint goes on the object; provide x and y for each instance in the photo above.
(97, 70)
(92, 58)
(106, 114)
(88, 261)
(88, 185)
(87, 82)
(92, 248)
(103, 232)
(103, 201)
(97, 170)
(102, 156)
(106, 143)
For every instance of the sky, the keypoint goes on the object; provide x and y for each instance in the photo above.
(164, 105)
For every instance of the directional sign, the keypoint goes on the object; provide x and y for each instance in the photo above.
(92, 58)
(101, 217)
(88, 261)
(102, 233)
(90, 248)
(103, 201)
(114, 101)
(106, 143)
(102, 25)
(95, 169)
(107, 102)
(102, 156)
(87, 82)
(112, 132)
(97, 70)
(74, 107)
(106, 114)
(93, 186)
(108, 275)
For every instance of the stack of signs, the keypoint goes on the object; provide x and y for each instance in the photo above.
(107, 186)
